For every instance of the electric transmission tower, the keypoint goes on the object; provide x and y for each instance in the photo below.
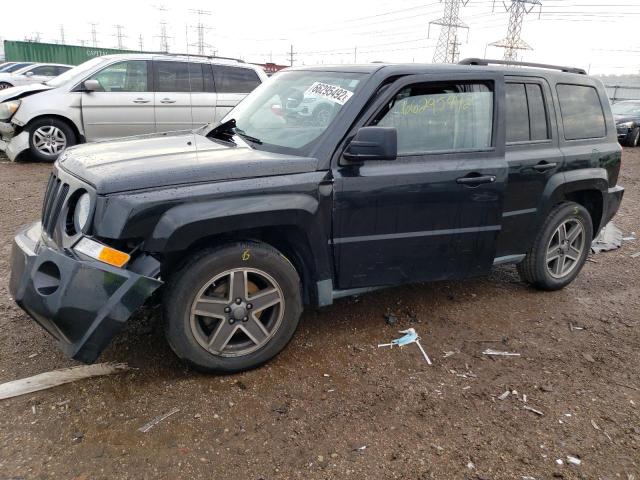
(141, 42)
(518, 9)
(119, 36)
(201, 28)
(94, 34)
(164, 37)
(447, 50)
(291, 55)
(62, 34)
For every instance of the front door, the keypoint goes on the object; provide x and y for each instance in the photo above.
(434, 212)
(124, 104)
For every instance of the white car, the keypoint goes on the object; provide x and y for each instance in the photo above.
(118, 96)
(35, 73)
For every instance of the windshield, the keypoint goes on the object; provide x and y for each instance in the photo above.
(15, 67)
(76, 73)
(626, 108)
(292, 109)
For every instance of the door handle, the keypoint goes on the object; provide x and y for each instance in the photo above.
(167, 100)
(474, 179)
(545, 166)
(141, 100)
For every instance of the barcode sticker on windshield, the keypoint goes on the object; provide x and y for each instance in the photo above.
(335, 94)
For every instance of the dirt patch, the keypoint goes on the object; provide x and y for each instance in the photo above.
(332, 405)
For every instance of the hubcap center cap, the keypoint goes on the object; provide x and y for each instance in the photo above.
(238, 312)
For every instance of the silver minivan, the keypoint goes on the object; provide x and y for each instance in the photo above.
(121, 95)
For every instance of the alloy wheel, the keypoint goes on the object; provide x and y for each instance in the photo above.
(237, 312)
(565, 248)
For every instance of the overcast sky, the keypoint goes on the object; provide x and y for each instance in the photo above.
(593, 34)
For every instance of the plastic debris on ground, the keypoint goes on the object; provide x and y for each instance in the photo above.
(610, 238)
(410, 336)
(58, 377)
(534, 410)
(573, 460)
(498, 353)
(148, 426)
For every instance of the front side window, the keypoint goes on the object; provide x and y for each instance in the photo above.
(235, 79)
(582, 114)
(437, 117)
(129, 76)
(45, 70)
(293, 109)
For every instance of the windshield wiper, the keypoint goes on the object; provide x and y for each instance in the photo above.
(247, 137)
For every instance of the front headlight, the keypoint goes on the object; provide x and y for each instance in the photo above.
(7, 109)
(625, 125)
(82, 211)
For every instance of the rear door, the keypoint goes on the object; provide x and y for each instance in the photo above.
(172, 95)
(434, 212)
(124, 104)
(232, 85)
(533, 158)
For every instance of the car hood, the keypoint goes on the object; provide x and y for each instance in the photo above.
(19, 92)
(175, 158)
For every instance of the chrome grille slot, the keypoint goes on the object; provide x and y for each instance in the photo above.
(53, 203)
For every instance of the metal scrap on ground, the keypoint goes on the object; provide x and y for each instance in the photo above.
(58, 377)
(498, 353)
(148, 426)
(410, 336)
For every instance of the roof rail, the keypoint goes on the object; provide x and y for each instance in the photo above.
(486, 62)
(210, 57)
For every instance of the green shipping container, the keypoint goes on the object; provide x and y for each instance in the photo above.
(54, 53)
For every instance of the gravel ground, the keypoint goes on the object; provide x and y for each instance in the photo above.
(332, 405)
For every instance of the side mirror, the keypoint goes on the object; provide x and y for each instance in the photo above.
(28, 74)
(91, 86)
(373, 143)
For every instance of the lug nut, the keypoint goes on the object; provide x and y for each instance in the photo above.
(249, 306)
(238, 301)
(245, 319)
(231, 321)
(227, 309)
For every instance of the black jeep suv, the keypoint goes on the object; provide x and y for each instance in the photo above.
(407, 173)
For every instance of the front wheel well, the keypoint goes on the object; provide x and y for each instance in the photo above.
(592, 201)
(67, 121)
(290, 240)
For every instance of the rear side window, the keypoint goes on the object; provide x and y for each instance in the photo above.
(436, 117)
(61, 70)
(196, 79)
(526, 115)
(234, 79)
(171, 76)
(45, 70)
(582, 115)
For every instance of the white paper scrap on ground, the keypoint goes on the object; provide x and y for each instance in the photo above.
(54, 378)
(499, 353)
(148, 426)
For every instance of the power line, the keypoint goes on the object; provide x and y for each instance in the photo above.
(447, 46)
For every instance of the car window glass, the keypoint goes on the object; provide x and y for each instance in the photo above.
(209, 85)
(195, 77)
(517, 113)
(130, 76)
(582, 115)
(441, 117)
(61, 70)
(45, 70)
(171, 76)
(537, 112)
(234, 79)
(17, 66)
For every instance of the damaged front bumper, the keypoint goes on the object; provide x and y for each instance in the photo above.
(13, 142)
(83, 304)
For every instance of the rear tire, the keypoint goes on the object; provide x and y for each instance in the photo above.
(560, 248)
(214, 308)
(49, 137)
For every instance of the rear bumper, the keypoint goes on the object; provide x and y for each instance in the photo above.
(83, 304)
(613, 199)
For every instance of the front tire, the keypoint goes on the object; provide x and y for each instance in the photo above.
(560, 249)
(4, 85)
(232, 308)
(48, 138)
(634, 138)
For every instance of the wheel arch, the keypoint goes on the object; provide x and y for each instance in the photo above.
(61, 118)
